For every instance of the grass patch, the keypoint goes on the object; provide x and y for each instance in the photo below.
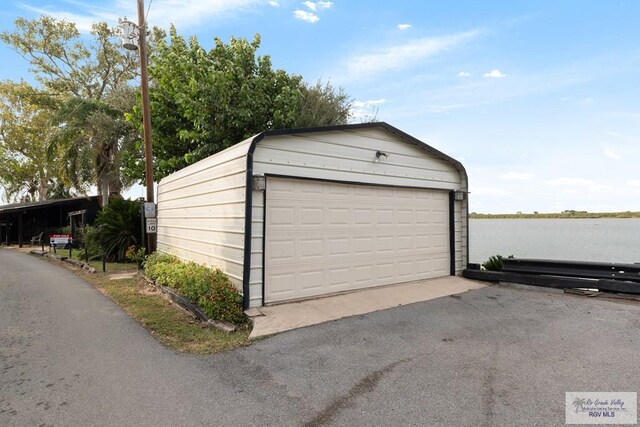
(114, 267)
(164, 320)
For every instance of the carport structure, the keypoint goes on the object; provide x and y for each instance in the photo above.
(21, 221)
(301, 213)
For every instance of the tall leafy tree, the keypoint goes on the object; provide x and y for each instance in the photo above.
(82, 79)
(65, 63)
(25, 128)
(322, 105)
(91, 135)
(203, 101)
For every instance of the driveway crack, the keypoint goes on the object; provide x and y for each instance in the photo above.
(364, 386)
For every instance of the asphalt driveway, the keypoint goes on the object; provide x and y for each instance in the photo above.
(494, 356)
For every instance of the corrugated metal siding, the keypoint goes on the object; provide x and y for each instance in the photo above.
(201, 211)
(349, 156)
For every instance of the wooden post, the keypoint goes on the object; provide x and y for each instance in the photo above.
(20, 229)
(146, 116)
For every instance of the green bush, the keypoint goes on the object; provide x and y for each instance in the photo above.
(209, 288)
(90, 239)
(119, 228)
(494, 263)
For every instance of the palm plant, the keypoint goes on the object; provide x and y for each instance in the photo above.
(119, 228)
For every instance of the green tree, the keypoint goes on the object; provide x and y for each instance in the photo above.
(322, 105)
(205, 101)
(67, 65)
(82, 80)
(91, 136)
(25, 127)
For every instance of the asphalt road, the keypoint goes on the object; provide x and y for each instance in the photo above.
(493, 357)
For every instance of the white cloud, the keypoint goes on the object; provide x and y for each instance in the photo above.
(318, 5)
(612, 154)
(633, 183)
(583, 183)
(464, 74)
(372, 102)
(617, 135)
(404, 55)
(517, 176)
(162, 13)
(494, 74)
(324, 4)
(303, 15)
(402, 27)
(84, 22)
(365, 109)
(311, 5)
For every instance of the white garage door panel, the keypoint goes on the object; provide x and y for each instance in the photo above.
(323, 237)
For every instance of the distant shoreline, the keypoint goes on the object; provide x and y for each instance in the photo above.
(560, 215)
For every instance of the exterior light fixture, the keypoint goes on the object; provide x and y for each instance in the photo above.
(380, 154)
(259, 183)
(459, 195)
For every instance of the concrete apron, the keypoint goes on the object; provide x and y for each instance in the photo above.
(279, 318)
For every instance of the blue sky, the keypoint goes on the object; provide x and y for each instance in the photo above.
(540, 100)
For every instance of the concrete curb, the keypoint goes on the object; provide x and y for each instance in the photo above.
(59, 258)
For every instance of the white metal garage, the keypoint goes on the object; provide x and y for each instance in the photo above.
(300, 213)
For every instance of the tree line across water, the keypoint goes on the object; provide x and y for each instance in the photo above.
(568, 214)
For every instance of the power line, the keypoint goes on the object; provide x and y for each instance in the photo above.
(147, 14)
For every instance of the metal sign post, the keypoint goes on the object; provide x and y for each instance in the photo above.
(152, 225)
(151, 221)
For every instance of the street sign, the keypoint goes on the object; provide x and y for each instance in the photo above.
(152, 225)
(150, 210)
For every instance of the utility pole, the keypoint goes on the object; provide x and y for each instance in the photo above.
(146, 117)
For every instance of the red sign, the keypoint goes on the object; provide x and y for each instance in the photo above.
(60, 239)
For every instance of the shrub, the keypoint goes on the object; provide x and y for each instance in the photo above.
(494, 263)
(119, 227)
(209, 288)
(135, 254)
(157, 258)
(89, 238)
(156, 264)
(222, 300)
(91, 241)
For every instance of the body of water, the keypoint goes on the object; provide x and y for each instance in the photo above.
(603, 240)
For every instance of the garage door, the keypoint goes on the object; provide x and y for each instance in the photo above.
(324, 237)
